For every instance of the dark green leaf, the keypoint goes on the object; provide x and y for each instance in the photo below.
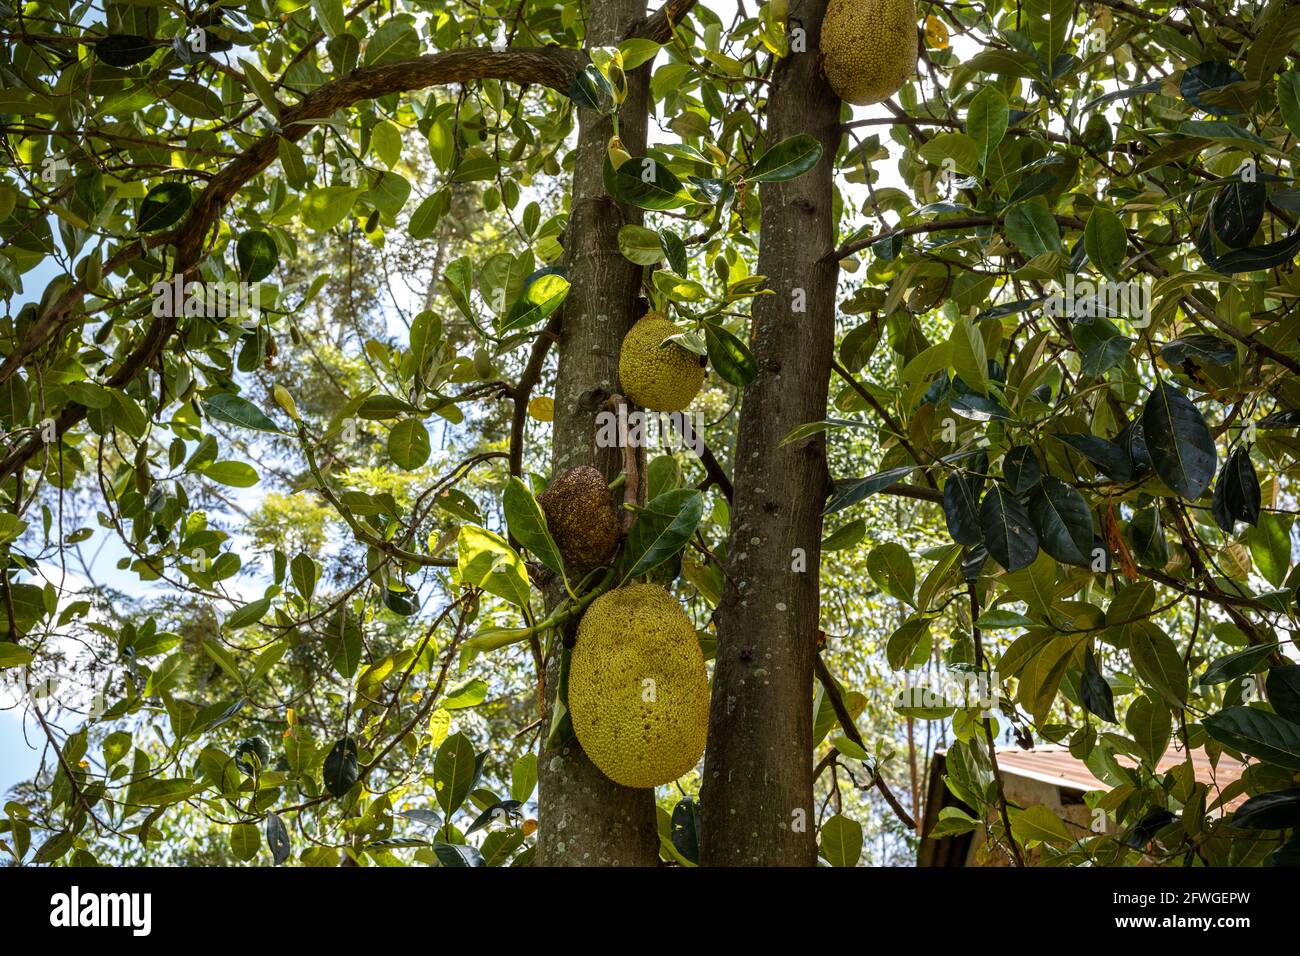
(661, 530)
(787, 159)
(257, 255)
(234, 410)
(341, 770)
(1008, 529)
(1179, 442)
(1237, 211)
(1283, 684)
(277, 839)
(1198, 347)
(408, 444)
(1113, 461)
(729, 356)
(1277, 810)
(961, 494)
(1095, 691)
(1237, 664)
(124, 50)
(1062, 519)
(1257, 733)
(685, 824)
(1021, 470)
(162, 206)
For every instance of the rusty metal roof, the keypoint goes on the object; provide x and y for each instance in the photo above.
(1055, 764)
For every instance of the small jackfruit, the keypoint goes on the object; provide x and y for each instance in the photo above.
(638, 691)
(662, 378)
(581, 518)
(869, 48)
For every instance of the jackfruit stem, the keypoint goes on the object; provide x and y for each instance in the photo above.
(618, 482)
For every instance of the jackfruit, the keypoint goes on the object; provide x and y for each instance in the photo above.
(662, 378)
(581, 518)
(638, 691)
(869, 48)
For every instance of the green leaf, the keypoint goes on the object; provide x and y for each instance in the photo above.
(661, 530)
(527, 523)
(484, 559)
(1151, 726)
(640, 245)
(257, 255)
(454, 770)
(788, 159)
(1105, 241)
(325, 206)
(250, 613)
(277, 839)
(395, 40)
(841, 841)
(1062, 519)
(1257, 734)
(1033, 229)
(902, 644)
(234, 410)
(1179, 442)
(934, 583)
(408, 444)
(1038, 824)
(470, 694)
(997, 620)
(646, 182)
(1276, 810)
(1237, 664)
(1158, 662)
(1008, 529)
(344, 642)
(329, 14)
(729, 356)
(968, 355)
(162, 206)
(890, 566)
(245, 841)
(11, 655)
(986, 121)
(341, 770)
(124, 50)
(523, 777)
(234, 474)
(1288, 100)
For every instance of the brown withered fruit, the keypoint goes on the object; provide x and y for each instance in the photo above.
(581, 518)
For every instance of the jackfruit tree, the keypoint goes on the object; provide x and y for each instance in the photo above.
(475, 434)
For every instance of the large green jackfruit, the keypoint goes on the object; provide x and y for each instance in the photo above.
(662, 378)
(638, 690)
(869, 48)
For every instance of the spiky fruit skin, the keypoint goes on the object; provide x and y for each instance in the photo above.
(662, 378)
(638, 691)
(581, 518)
(869, 48)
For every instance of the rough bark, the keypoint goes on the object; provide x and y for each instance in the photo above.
(585, 819)
(757, 801)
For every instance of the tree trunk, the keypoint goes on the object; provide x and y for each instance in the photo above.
(757, 800)
(584, 818)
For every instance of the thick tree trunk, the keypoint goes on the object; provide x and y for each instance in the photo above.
(757, 801)
(584, 818)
